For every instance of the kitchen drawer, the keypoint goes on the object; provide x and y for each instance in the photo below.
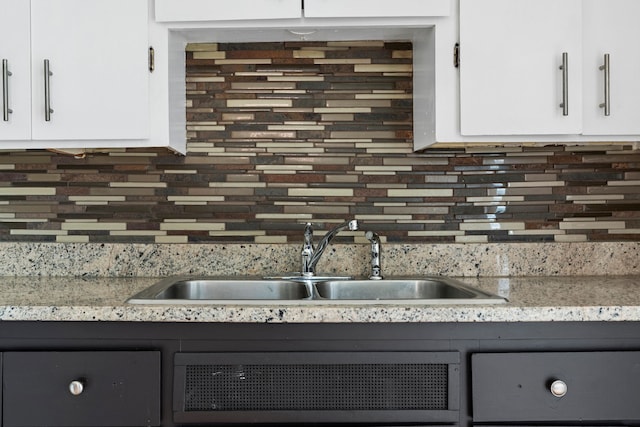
(118, 388)
(516, 387)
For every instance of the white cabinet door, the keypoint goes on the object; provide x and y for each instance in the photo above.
(208, 10)
(510, 77)
(611, 27)
(98, 56)
(16, 85)
(375, 8)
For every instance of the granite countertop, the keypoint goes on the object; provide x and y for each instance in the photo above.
(570, 298)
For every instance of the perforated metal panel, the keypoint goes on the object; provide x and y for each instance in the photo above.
(264, 387)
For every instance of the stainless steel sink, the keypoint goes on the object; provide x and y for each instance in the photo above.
(325, 290)
(425, 290)
(217, 290)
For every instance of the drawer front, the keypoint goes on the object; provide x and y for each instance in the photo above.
(110, 388)
(331, 387)
(589, 386)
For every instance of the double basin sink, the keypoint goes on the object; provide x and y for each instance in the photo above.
(300, 289)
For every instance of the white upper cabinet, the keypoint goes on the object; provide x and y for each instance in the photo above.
(96, 93)
(512, 79)
(611, 28)
(375, 8)
(208, 10)
(97, 51)
(16, 73)
(511, 82)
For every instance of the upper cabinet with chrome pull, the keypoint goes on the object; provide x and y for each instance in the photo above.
(548, 67)
(520, 67)
(611, 39)
(15, 47)
(97, 81)
(76, 73)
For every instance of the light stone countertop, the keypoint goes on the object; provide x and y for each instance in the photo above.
(553, 298)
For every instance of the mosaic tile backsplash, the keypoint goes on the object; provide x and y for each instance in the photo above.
(280, 134)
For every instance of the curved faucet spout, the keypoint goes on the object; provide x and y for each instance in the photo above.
(311, 255)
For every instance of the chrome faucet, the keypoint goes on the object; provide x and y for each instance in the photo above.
(376, 256)
(310, 255)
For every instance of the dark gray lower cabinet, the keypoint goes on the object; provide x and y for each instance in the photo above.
(595, 386)
(81, 388)
(129, 374)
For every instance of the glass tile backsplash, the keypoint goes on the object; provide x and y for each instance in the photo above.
(280, 134)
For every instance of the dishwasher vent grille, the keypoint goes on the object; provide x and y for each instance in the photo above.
(316, 387)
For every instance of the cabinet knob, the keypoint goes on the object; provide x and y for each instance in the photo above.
(76, 387)
(558, 388)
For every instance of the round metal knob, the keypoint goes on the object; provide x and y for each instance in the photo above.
(76, 387)
(558, 388)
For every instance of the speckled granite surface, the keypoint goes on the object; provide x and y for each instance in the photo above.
(579, 298)
(544, 282)
(468, 260)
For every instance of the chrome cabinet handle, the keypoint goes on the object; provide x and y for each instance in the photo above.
(607, 80)
(47, 91)
(558, 388)
(5, 90)
(76, 387)
(565, 84)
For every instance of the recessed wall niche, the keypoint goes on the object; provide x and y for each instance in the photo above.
(299, 125)
(284, 97)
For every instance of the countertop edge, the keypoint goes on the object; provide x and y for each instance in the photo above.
(340, 314)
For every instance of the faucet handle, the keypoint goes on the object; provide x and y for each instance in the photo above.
(307, 268)
(376, 256)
